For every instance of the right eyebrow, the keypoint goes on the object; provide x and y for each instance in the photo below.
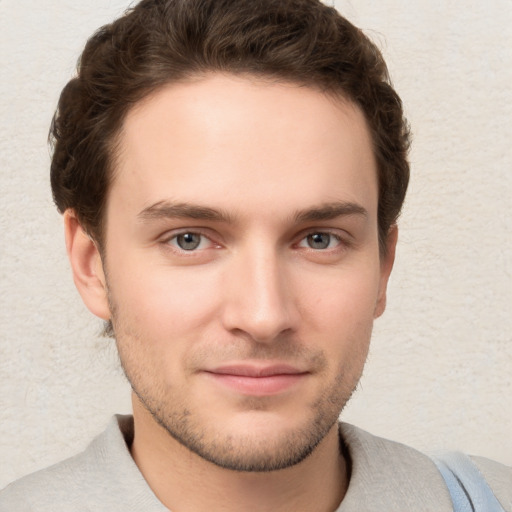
(170, 210)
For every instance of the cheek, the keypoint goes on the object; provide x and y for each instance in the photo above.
(160, 299)
(339, 319)
(344, 299)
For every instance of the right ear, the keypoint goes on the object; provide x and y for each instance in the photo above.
(86, 266)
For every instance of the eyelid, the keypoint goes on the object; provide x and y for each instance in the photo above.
(174, 233)
(341, 235)
(333, 238)
(344, 237)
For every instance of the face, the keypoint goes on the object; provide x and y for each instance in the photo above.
(242, 264)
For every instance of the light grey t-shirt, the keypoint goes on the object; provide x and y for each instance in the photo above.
(385, 476)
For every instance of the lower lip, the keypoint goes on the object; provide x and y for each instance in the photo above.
(258, 386)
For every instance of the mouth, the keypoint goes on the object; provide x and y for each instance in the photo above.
(257, 380)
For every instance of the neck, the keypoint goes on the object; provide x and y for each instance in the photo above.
(184, 481)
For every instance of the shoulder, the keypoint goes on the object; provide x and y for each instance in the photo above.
(499, 478)
(387, 475)
(102, 478)
(64, 482)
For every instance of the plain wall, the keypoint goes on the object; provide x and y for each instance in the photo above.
(440, 367)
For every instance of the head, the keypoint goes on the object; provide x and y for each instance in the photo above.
(231, 173)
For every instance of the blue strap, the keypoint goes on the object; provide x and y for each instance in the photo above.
(468, 489)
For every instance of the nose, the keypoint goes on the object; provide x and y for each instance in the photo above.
(258, 296)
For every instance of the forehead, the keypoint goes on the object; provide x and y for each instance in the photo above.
(245, 145)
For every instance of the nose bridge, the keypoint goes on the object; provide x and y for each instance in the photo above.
(259, 301)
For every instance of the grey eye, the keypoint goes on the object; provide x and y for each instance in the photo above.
(319, 240)
(188, 241)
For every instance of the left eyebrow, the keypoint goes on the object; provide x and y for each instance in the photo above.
(330, 211)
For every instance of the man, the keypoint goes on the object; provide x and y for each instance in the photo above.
(230, 175)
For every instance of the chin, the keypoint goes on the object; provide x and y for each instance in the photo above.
(255, 441)
(256, 453)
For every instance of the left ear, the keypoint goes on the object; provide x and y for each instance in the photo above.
(386, 265)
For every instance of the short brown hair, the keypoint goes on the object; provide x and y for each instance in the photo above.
(162, 41)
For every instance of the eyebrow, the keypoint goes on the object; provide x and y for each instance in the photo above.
(166, 210)
(330, 211)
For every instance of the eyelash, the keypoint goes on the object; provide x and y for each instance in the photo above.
(167, 241)
(332, 235)
(344, 242)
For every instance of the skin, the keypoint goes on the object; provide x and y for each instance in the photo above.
(242, 351)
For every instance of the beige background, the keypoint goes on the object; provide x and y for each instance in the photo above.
(440, 369)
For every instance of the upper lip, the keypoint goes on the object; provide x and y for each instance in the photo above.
(256, 370)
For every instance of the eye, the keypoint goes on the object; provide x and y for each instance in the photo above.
(190, 241)
(320, 241)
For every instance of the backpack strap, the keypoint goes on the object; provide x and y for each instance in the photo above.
(468, 489)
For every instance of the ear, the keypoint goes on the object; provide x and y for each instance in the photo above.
(386, 265)
(87, 266)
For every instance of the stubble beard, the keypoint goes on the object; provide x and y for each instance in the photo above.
(243, 453)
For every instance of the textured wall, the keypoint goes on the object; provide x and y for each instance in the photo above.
(439, 372)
